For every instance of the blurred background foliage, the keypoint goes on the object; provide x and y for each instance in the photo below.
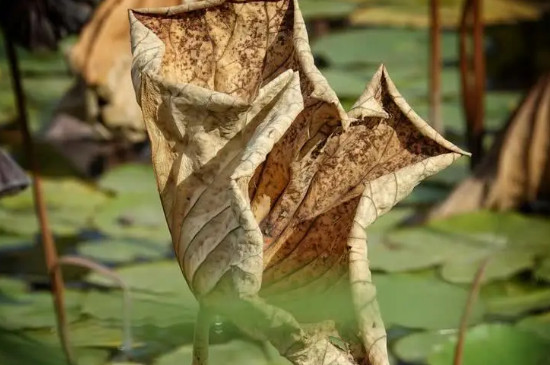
(423, 273)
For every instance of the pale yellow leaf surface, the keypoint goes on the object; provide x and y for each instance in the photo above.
(267, 183)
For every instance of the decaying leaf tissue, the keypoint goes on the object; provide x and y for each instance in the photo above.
(267, 183)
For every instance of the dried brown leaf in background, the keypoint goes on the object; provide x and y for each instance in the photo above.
(102, 59)
(266, 182)
(414, 13)
(516, 171)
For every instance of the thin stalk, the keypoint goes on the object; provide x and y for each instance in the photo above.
(48, 245)
(472, 77)
(105, 271)
(202, 337)
(479, 71)
(465, 72)
(472, 297)
(435, 67)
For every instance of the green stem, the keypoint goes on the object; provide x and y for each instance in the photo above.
(201, 337)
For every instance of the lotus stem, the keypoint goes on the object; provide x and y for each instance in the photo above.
(47, 240)
(472, 297)
(472, 73)
(435, 66)
(201, 337)
(479, 71)
(465, 77)
(105, 271)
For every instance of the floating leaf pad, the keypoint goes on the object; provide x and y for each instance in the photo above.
(116, 251)
(421, 247)
(133, 215)
(326, 9)
(416, 301)
(519, 231)
(543, 270)
(160, 310)
(11, 287)
(539, 324)
(513, 299)
(459, 244)
(35, 310)
(70, 205)
(416, 347)
(155, 277)
(19, 348)
(393, 47)
(501, 265)
(129, 178)
(87, 333)
(496, 344)
(8, 243)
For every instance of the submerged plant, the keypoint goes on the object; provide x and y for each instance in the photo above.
(267, 183)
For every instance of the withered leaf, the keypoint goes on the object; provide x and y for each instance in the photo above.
(266, 182)
(516, 170)
(102, 59)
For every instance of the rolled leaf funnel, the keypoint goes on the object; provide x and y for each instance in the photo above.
(267, 183)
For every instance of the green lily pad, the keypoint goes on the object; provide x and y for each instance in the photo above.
(161, 310)
(392, 46)
(496, 344)
(129, 178)
(416, 347)
(8, 243)
(512, 299)
(313, 304)
(46, 91)
(421, 247)
(416, 301)
(42, 62)
(510, 240)
(116, 251)
(451, 114)
(384, 224)
(65, 193)
(521, 232)
(501, 265)
(390, 220)
(154, 277)
(539, 324)
(418, 87)
(347, 84)
(234, 352)
(326, 9)
(70, 205)
(133, 215)
(25, 223)
(19, 348)
(35, 310)
(11, 287)
(499, 106)
(543, 270)
(398, 259)
(16, 348)
(84, 334)
(459, 251)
